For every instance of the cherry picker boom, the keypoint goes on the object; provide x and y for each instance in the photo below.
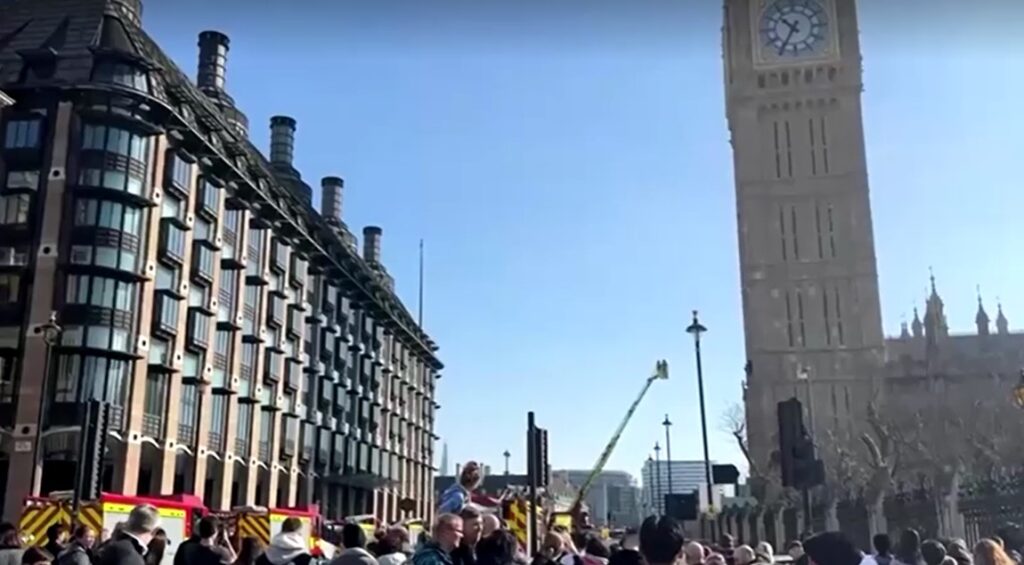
(660, 373)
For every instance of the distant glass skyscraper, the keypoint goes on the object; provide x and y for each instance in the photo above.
(687, 476)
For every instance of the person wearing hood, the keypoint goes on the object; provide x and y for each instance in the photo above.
(288, 546)
(353, 539)
(79, 551)
(447, 533)
(457, 496)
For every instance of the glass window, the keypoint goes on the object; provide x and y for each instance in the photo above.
(173, 207)
(9, 285)
(22, 180)
(121, 73)
(180, 171)
(166, 278)
(209, 197)
(203, 261)
(159, 352)
(197, 296)
(219, 413)
(23, 134)
(13, 256)
(190, 366)
(187, 412)
(14, 209)
(157, 385)
(203, 230)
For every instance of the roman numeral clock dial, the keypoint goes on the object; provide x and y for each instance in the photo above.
(790, 30)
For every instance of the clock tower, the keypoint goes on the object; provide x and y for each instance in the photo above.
(811, 310)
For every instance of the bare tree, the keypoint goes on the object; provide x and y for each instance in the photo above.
(734, 422)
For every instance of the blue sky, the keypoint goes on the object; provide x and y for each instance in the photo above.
(568, 166)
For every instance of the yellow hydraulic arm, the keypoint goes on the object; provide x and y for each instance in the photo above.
(660, 372)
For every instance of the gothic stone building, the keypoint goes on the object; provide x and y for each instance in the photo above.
(811, 308)
(247, 352)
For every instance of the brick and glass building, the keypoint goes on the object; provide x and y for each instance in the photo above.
(248, 351)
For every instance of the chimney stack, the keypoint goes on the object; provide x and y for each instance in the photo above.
(331, 194)
(371, 244)
(213, 58)
(282, 140)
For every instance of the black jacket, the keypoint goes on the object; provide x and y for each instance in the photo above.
(124, 550)
(463, 555)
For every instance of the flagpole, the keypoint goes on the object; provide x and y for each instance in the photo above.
(420, 314)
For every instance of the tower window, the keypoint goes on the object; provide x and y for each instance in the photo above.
(831, 233)
(789, 151)
(800, 317)
(782, 233)
(794, 232)
(778, 152)
(828, 321)
(839, 318)
(789, 320)
(817, 226)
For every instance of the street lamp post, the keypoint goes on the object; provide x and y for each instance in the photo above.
(696, 329)
(657, 478)
(668, 451)
(650, 482)
(506, 455)
(51, 332)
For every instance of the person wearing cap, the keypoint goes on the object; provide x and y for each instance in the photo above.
(457, 496)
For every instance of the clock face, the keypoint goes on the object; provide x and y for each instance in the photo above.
(794, 29)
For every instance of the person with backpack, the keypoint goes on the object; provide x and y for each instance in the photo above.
(79, 550)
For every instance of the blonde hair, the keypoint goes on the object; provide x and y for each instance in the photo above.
(989, 552)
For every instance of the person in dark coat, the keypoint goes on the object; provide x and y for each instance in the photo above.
(56, 539)
(129, 545)
(79, 551)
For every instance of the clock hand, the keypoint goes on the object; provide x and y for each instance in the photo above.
(785, 42)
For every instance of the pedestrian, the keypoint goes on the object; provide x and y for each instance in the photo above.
(498, 548)
(457, 496)
(35, 556)
(661, 540)
(56, 539)
(595, 552)
(206, 546)
(764, 553)
(156, 548)
(933, 552)
(743, 555)
(726, 546)
(883, 549)
(490, 524)
(795, 549)
(129, 545)
(550, 549)
(909, 550)
(447, 533)
(249, 551)
(353, 540)
(79, 550)
(472, 528)
(393, 548)
(989, 552)
(832, 548)
(10, 545)
(693, 553)
(958, 551)
(288, 546)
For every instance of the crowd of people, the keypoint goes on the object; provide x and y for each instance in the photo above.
(471, 537)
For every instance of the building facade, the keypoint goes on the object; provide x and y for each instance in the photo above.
(247, 351)
(613, 499)
(809, 283)
(687, 477)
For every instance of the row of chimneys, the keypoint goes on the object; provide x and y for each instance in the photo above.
(211, 79)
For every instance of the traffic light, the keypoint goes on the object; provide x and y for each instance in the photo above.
(95, 428)
(800, 469)
(540, 463)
